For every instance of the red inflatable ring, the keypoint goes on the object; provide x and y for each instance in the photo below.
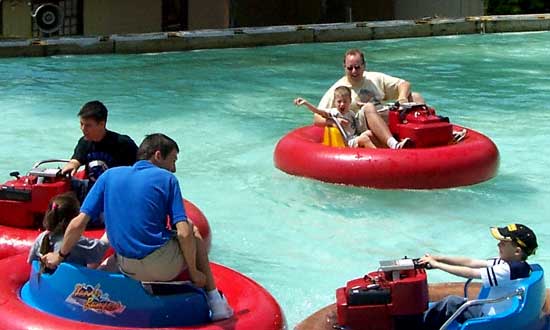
(475, 159)
(254, 307)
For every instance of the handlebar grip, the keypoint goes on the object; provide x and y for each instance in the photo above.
(417, 264)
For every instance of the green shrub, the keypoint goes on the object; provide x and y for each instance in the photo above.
(512, 7)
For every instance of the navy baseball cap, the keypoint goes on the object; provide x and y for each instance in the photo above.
(518, 233)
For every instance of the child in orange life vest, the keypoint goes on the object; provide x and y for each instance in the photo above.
(62, 208)
(345, 117)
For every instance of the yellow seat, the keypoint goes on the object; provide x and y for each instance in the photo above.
(333, 138)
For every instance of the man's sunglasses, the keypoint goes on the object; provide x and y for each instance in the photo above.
(356, 67)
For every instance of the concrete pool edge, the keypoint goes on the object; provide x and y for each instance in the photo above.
(271, 35)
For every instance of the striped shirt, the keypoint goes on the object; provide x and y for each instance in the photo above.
(500, 276)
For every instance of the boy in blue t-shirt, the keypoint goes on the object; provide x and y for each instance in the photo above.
(516, 243)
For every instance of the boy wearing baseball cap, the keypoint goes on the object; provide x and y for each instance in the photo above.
(516, 242)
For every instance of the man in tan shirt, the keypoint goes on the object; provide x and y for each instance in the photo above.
(369, 90)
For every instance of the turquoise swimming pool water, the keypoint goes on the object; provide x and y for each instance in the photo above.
(299, 238)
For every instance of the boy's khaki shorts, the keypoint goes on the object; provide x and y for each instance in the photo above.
(163, 264)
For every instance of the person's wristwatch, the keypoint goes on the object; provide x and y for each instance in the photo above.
(63, 255)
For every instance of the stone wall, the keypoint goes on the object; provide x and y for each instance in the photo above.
(16, 19)
(106, 17)
(208, 14)
(272, 35)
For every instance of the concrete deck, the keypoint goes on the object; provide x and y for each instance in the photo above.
(275, 35)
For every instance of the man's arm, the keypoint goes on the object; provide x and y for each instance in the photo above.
(404, 90)
(128, 150)
(186, 240)
(78, 158)
(72, 234)
(72, 166)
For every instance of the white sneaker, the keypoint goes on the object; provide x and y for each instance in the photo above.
(459, 135)
(403, 143)
(220, 309)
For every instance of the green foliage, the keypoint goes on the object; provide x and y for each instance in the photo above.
(512, 7)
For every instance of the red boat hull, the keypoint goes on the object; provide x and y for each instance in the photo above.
(473, 160)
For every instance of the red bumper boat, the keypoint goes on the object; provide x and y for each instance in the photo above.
(24, 200)
(75, 297)
(434, 161)
(396, 296)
